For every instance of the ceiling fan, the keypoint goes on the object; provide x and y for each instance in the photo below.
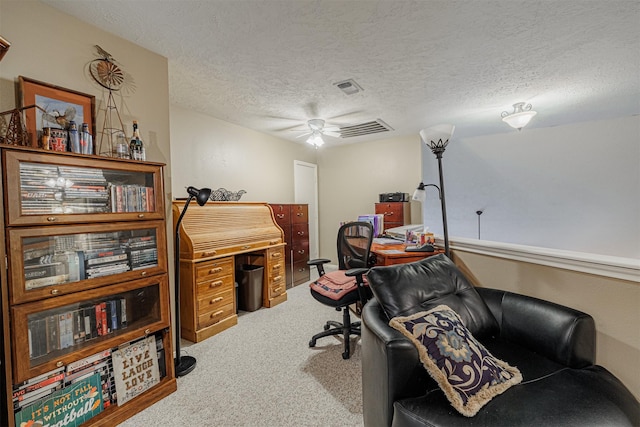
(316, 130)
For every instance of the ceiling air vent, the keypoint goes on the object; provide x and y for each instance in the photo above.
(349, 86)
(367, 128)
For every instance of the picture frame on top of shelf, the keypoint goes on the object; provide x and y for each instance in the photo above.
(58, 106)
(4, 47)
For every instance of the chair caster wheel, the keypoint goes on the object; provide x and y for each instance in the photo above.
(345, 355)
(312, 343)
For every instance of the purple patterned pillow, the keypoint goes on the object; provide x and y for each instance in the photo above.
(463, 368)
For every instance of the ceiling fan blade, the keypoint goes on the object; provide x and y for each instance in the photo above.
(304, 134)
(331, 129)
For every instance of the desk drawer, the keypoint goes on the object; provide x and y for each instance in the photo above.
(214, 286)
(214, 302)
(215, 316)
(210, 270)
(277, 288)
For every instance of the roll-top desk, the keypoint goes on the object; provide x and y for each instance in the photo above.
(214, 240)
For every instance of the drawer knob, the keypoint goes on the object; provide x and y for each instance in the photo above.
(246, 247)
(301, 251)
(215, 300)
(277, 289)
(141, 215)
(215, 270)
(280, 216)
(276, 255)
(59, 364)
(143, 273)
(54, 291)
(300, 214)
(207, 254)
(277, 278)
(276, 266)
(52, 218)
(147, 331)
(300, 233)
(302, 269)
(217, 313)
(388, 213)
(216, 283)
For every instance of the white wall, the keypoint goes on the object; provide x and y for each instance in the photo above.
(574, 187)
(208, 152)
(352, 176)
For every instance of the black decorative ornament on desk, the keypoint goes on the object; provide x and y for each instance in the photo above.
(224, 195)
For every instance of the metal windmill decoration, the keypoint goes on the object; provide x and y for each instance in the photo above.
(110, 76)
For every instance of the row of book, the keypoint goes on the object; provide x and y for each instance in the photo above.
(376, 220)
(57, 261)
(46, 189)
(29, 396)
(132, 198)
(57, 331)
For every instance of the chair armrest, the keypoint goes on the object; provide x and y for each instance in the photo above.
(391, 367)
(560, 333)
(355, 272)
(319, 264)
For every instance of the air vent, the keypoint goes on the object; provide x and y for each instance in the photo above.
(367, 128)
(349, 86)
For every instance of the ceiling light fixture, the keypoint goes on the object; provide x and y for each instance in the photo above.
(521, 116)
(316, 139)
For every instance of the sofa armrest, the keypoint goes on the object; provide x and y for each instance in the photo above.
(391, 367)
(560, 333)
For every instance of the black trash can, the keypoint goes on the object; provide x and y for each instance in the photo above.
(250, 287)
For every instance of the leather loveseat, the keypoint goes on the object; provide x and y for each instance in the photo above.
(553, 347)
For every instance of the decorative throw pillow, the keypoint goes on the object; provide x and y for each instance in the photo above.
(463, 368)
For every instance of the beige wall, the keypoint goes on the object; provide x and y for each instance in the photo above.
(208, 152)
(51, 47)
(613, 303)
(352, 176)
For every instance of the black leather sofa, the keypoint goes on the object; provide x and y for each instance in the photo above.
(553, 346)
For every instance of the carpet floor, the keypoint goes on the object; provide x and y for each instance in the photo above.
(262, 372)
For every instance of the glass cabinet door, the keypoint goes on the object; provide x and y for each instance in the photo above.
(46, 189)
(71, 327)
(52, 261)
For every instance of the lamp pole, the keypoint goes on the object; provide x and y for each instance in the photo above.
(444, 205)
(184, 364)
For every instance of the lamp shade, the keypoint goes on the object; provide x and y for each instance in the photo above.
(316, 139)
(201, 195)
(437, 137)
(419, 195)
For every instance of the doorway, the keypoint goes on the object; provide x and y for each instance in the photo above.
(305, 178)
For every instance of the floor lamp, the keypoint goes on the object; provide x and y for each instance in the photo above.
(436, 138)
(185, 364)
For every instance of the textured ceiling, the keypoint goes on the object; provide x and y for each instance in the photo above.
(271, 65)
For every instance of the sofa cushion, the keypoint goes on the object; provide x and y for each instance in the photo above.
(590, 397)
(463, 368)
(406, 289)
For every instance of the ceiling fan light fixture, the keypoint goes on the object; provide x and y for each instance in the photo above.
(316, 139)
(521, 116)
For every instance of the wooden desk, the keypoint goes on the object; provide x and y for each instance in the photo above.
(395, 254)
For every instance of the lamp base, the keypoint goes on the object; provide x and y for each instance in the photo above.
(184, 365)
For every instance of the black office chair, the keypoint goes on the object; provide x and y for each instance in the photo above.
(354, 260)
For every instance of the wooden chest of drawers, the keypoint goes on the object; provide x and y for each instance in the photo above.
(294, 221)
(396, 214)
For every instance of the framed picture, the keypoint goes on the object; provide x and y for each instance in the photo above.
(58, 107)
